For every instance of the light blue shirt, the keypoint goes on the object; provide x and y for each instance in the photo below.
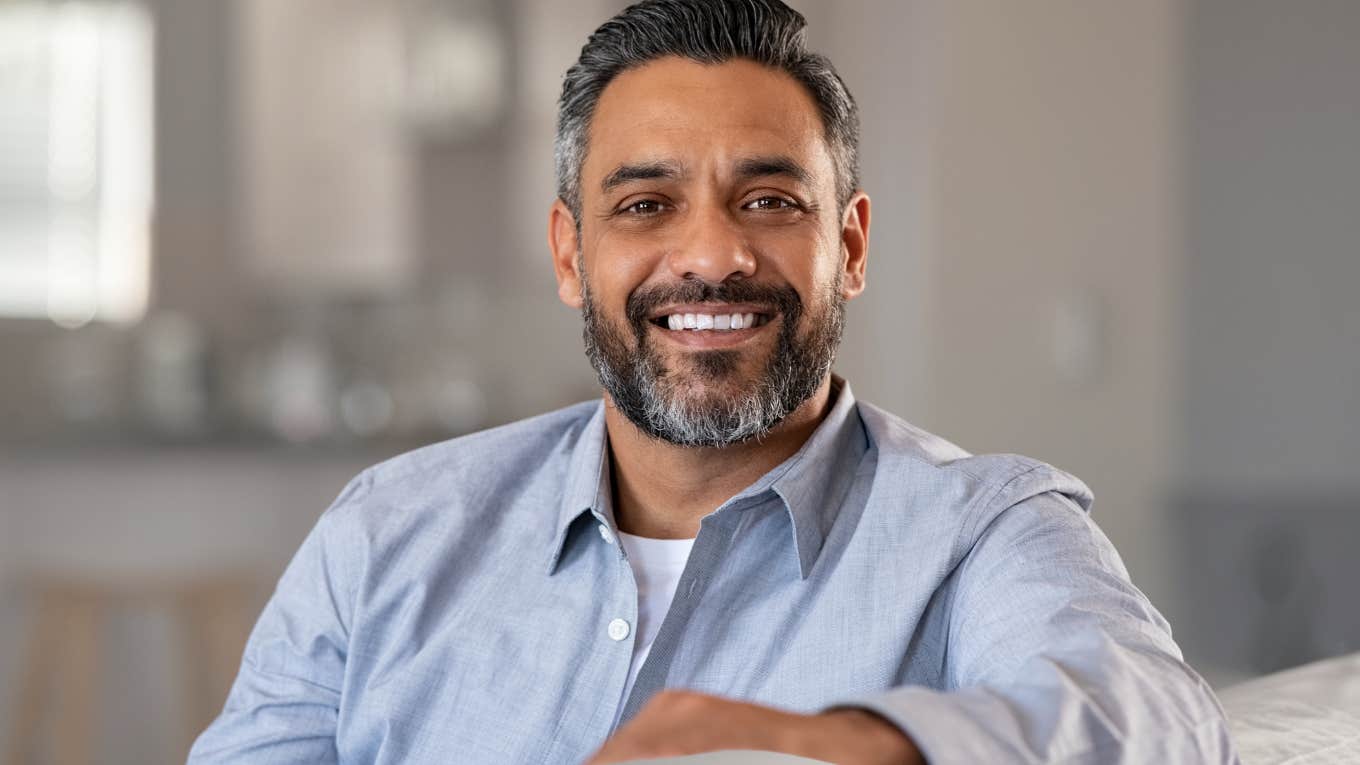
(469, 603)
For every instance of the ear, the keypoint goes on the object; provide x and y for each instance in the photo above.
(563, 244)
(854, 245)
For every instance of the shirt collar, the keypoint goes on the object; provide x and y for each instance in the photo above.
(587, 488)
(812, 484)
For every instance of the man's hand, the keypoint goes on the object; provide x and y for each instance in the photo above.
(676, 723)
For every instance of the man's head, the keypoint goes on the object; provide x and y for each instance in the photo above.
(711, 32)
(706, 167)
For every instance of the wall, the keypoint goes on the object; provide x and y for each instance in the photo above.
(1270, 482)
(1274, 321)
(1055, 248)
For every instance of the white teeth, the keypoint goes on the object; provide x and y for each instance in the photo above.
(709, 321)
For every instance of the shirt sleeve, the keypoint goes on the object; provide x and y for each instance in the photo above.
(1054, 656)
(285, 702)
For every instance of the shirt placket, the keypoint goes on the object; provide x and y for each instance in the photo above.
(712, 544)
(610, 626)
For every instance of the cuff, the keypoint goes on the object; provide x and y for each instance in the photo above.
(949, 727)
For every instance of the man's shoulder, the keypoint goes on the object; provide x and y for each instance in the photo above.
(979, 481)
(500, 449)
(530, 455)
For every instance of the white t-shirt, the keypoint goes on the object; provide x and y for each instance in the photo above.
(657, 565)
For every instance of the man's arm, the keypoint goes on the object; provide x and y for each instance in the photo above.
(1054, 656)
(285, 702)
(677, 723)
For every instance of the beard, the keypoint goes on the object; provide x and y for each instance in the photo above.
(708, 404)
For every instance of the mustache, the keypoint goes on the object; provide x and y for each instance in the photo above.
(642, 302)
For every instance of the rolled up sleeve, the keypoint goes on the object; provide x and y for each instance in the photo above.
(1054, 656)
(285, 702)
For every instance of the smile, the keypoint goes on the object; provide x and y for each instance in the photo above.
(696, 319)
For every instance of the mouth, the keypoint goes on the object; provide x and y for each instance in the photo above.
(700, 327)
(711, 319)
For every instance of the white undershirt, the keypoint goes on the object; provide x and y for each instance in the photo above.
(657, 565)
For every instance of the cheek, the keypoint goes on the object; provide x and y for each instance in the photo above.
(809, 265)
(616, 267)
(830, 264)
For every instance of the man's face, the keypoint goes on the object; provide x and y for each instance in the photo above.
(708, 196)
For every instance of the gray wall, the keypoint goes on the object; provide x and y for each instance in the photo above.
(1269, 496)
(1273, 315)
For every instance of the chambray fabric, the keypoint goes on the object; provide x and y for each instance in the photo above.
(452, 606)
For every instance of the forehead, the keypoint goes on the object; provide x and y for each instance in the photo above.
(704, 116)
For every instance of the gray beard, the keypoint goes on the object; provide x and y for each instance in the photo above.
(656, 399)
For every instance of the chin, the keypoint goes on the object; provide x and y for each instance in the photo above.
(726, 370)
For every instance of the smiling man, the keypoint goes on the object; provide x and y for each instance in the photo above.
(728, 551)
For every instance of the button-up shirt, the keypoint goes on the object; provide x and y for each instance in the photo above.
(469, 602)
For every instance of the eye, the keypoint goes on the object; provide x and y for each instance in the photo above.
(643, 207)
(771, 203)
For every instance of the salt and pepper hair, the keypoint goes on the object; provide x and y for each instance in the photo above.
(709, 32)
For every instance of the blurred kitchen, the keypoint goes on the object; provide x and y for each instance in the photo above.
(248, 247)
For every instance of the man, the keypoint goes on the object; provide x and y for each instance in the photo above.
(729, 551)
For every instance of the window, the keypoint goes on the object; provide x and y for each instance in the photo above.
(75, 160)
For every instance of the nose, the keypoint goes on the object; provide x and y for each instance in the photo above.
(712, 248)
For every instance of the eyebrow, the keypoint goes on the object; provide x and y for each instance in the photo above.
(646, 171)
(747, 169)
(776, 165)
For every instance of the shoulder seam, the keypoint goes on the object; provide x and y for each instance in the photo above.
(967, 529)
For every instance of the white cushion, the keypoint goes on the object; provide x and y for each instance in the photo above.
(1310, 714)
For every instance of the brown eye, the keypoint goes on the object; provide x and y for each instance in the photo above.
(770, 203)
(644, 207)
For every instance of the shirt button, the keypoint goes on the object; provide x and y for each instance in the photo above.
(618, 629)
(606, 535)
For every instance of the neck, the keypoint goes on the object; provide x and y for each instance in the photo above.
(663, 491)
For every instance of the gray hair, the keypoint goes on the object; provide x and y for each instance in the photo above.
(709, 32)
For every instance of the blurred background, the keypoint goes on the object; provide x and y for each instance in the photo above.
(249, 247)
